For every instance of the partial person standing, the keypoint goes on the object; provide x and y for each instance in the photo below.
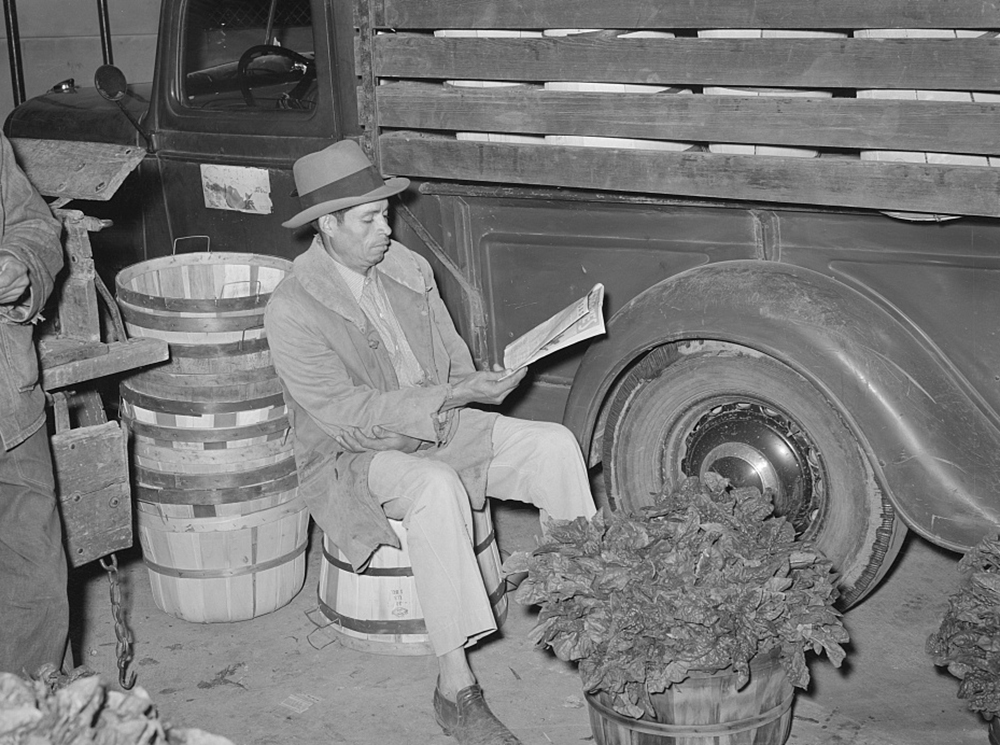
(34, 609)
(379, 386)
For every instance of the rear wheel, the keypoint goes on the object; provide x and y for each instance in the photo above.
(691, 408)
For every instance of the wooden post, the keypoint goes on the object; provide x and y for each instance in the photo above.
(79, 316)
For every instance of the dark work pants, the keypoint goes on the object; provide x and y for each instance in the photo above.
(34, 609)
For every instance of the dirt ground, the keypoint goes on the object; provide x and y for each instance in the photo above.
(281, 679)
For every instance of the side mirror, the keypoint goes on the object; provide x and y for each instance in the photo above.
(110, 82)
(112, 85)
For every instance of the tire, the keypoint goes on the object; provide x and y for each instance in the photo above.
(695, 407)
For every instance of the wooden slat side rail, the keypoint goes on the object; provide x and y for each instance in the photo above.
(929, 64)
(817, 181)
(657, 14)
(839, 123)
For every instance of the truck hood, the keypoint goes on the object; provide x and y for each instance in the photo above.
(82, 115)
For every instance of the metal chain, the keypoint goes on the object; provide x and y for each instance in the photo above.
(122, 632)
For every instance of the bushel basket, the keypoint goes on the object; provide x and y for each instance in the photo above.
(706, 709)
(222, 528)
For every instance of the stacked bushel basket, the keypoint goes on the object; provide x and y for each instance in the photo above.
(222, 529)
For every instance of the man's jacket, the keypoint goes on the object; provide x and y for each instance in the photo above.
(32, 234)
(336, 373)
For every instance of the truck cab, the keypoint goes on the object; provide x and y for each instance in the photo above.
(822, 327)
(238, 95)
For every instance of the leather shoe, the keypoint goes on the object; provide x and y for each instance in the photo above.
(469, 720)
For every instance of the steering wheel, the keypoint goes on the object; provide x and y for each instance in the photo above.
(260, 51)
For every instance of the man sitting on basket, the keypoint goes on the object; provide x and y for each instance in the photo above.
(379, 385)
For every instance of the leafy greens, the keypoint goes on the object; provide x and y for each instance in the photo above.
(704, 580)
(968, 639)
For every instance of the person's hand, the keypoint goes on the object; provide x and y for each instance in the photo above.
(13, 279)
(355, 440)
(486, 387)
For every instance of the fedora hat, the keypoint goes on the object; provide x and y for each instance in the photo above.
(335, 178)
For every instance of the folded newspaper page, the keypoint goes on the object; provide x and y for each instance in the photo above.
(581, 320)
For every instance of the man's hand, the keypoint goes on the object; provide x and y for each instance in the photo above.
(486, 387)
(355, 440)
(13, 279)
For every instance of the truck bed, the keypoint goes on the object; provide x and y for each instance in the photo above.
(904, 125)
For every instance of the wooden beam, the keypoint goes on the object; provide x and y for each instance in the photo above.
(840, 123)
(79, 317)
(930, 64)
(817, 181)
(366, 78)
(76, 170)
(61, 367)
(91, 471)
(679, 14)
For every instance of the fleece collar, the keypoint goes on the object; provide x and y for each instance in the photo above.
(317, 273)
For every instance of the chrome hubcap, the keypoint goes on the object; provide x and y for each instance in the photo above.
(755, 445)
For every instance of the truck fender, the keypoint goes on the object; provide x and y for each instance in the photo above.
(932, 442)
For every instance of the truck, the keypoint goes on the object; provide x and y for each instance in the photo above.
(793, 207)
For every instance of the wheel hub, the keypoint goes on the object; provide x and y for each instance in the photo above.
(753, 445)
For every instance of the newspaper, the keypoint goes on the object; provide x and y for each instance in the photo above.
(581, 320)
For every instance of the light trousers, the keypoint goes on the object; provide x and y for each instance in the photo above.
(537, 463)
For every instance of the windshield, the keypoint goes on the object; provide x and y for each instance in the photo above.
(252, 55)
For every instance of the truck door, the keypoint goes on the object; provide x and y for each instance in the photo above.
(242, 89)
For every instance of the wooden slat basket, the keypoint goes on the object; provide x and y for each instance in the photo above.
(221, 525)
(706, 710)
(377, 610)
